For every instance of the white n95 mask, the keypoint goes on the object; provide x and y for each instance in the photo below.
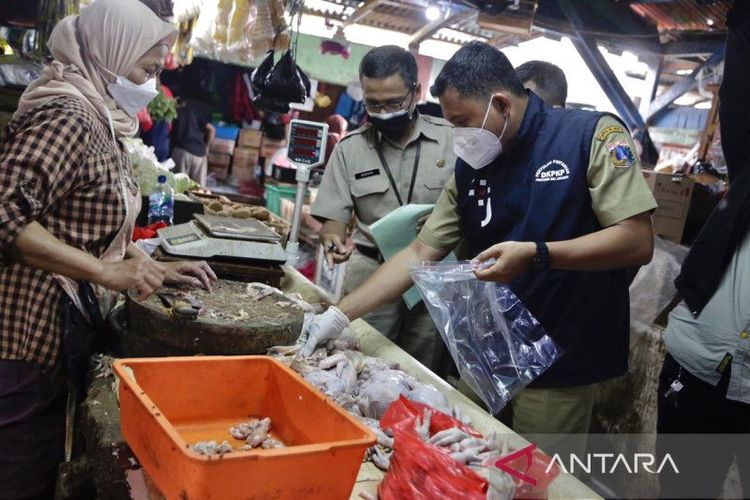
(478, 146)
(131, 97)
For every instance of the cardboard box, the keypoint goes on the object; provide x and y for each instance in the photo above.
(673, 194)
(244, 162)
(222, 146)
(219, 159)
(246, 156)
(243, 173)
(219, 171)
(218, 164)
(250, 138)
(270, 146)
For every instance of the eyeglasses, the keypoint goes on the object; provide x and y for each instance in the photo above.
(389, 106)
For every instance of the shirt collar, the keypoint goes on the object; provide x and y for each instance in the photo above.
(532, 120)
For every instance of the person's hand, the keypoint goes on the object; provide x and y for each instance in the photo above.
(325, 326)
(336, 250)
(512, 259)
(139, 273)
(186, 272)
(421, 221)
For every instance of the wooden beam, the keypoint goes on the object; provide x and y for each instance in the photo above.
(506, 23)
(692, 47)
(433, 27)
(707, 136)
(360, 13)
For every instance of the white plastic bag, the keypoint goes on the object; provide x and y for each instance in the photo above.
(497, 345)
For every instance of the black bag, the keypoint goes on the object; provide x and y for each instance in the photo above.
(276, 86)
(80, 335)
(259, 76)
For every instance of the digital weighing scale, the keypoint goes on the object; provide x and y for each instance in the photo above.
(306, 149)
(213, 237)
(227, 238)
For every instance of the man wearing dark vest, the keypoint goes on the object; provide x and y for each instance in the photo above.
(557, 198)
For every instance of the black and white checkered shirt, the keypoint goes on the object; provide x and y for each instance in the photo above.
(59, 167)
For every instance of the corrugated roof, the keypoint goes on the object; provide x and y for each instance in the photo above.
(636, 21)
(685, 15)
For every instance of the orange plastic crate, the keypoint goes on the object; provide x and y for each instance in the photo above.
(174, 402)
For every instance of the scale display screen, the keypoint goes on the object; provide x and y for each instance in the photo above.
(307, 142)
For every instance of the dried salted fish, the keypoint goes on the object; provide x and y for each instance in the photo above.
(271, 443)
(209, 448)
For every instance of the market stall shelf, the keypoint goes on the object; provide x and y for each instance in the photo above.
(118, 474)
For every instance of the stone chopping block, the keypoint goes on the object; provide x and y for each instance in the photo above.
(231, 322)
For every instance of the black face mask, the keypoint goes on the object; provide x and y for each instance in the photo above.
(392, 125)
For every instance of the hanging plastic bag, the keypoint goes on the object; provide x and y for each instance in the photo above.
(262, 37)
(283, 84)
(241, 21)
(497, 345)
(221, 23)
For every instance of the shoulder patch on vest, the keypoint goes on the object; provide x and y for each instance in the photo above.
(608, 131)
(621, 154)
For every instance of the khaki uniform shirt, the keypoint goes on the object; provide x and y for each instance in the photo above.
(355, 181)
(617, 193)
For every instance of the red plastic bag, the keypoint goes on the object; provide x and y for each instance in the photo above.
(420, 470)
(531, 475)
(403, 412)
(144, 233)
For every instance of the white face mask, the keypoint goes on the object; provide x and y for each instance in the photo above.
(478, 146)
(131, 97)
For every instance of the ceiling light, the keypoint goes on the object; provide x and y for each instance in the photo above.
(432, 13)
(684, 71)
(710, 21)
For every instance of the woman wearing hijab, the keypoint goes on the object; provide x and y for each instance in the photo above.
(67, 209)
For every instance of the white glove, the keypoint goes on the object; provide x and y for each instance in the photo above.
(325, 326)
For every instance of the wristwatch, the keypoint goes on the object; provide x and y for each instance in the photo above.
(541, 260)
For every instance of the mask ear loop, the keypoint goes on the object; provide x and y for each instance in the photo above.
(505, 125)
(487, 114)
(413, 92)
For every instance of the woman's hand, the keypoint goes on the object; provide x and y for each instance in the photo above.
(186, 272)
(139, 272)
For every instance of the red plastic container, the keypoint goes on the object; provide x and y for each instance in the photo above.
(168, 404)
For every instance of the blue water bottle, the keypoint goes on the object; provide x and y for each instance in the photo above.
(161, 202)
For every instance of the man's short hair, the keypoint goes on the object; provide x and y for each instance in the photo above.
(388, 60)
(549, 80)
(478, 70)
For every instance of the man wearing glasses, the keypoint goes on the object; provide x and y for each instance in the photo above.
(399, 157)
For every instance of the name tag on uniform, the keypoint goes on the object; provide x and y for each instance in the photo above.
(367, 173)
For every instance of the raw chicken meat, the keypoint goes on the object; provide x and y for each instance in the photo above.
(381, 389)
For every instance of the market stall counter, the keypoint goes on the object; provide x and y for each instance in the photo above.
(116, 472)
